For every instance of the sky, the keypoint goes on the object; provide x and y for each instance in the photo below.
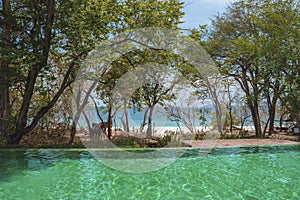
(200, 11)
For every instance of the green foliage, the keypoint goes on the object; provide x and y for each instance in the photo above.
(164, 141)
(45, 41)
(202, 116)
(243, 133)
(235, 120)
(199, 136)
(255, 42)
(128, 142)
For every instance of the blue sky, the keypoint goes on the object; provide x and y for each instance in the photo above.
(200, 11)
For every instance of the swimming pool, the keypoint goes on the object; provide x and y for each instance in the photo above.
(271, 172)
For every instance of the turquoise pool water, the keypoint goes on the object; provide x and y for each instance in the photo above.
(226, 173)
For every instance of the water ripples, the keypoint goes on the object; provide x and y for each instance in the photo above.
(226, 173)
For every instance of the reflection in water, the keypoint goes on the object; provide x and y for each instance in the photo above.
(15, 162)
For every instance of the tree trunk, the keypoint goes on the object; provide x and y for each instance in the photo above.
(149, 129)
(230, 108)
(230, 118)
(242, 125)
(212, 90)
(73, 132)
(80, 108)
(109, 121)
(88, 124)
(252, 102)
(144, 120)
(4, 101)
(219, 119)
(281, 119)
(126, 118)
(272, 114)
(272, 101)
(266, 126)
(17, 136)
(4, 81)
(256, 120)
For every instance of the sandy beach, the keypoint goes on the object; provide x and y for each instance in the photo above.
(160, 131)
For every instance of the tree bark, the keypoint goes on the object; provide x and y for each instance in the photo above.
(230, 109)
(256, 119)
(144, 120)
(149, 128)
(272, 101)
(126, 118)
(281, 119)
(4, 80)
(4, 100)
(266, 126)
(272, 114)
(109, 121)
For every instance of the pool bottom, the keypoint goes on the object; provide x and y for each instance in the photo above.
(226, 173)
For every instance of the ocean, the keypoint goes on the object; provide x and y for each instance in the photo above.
(135, 118)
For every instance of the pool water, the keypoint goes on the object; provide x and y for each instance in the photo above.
(226, 173)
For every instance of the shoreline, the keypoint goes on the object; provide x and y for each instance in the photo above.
(43, 140)
(161, 131)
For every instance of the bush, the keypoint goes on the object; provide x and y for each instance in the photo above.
(127, 142)
(164, 141)
(3, 141)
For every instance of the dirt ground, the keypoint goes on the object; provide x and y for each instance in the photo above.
(56, 138)
(236, 142)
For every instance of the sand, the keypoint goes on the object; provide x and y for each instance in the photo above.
(237, 142)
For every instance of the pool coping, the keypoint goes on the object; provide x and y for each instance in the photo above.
(187, 144)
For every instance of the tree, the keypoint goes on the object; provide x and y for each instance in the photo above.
(149, 80)
(36, 36)
(286, 59)
(34, 33)
(134, 14)
(248, 44)
(230, 102)
(187, 111)
(211, 83)
(233, 47)
(158, 88)
(277, 22)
